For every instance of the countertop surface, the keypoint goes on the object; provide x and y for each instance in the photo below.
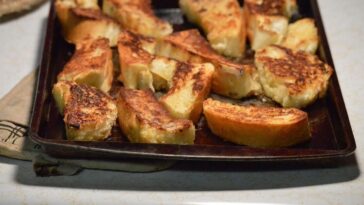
(21, 43)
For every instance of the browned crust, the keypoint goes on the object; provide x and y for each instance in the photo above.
(304, 69)
(183, 73)
(201, 83)
(149, 111)
(200, 77)
(192, 41)
(267, 7)
(255, 115)
(134, 40)
(131, 49)
(143, 5)
(90, 45)
(83, 60)
(257, 126)
(196, 43)
(84, 98)
(92, 14)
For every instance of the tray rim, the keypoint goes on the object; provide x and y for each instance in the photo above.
(300, 154)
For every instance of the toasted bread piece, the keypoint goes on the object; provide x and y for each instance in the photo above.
(267, 21)
(84, 20)
(191, 86)
(264, 30)
(137, 16)
(163, 69)
(222, 21)
(144, 120)
(135, 61)
(292, 78)
(141, 70)
(302, 35)
(262, 127)
(230, 79)
(91, 64)
(271, 7)
(89, 114)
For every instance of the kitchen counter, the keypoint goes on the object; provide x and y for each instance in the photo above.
(21, 43)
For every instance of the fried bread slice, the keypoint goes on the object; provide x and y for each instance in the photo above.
(163, 70)
(262, 127)
(267, 21)
(271, 7)
(222, 21)
(144, 120)
(135, 60)
(137, 16)
(266, 30)
(191, 86)
(89, 114)
(229, 79)
(140, 68)
(91, 64)
(302, 35)
(292, 78)
(84, 19)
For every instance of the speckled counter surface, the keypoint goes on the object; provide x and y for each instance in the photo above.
(344, 23)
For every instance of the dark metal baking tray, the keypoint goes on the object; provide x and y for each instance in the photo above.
(330, 127)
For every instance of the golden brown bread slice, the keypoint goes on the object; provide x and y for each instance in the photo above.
(135, 60)
(266, 30)
(302, 35)
(222, 21)
(144, 120)
(261, 127)
(140, 69)
(163, 69)
(83, 19)
(89, 114)
(271, 7)
(267, 21)
(191, 86)
(230, 79)
(137, 16)
(292, 78)
(91, 64)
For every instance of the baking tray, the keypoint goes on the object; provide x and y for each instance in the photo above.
(330, 127)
